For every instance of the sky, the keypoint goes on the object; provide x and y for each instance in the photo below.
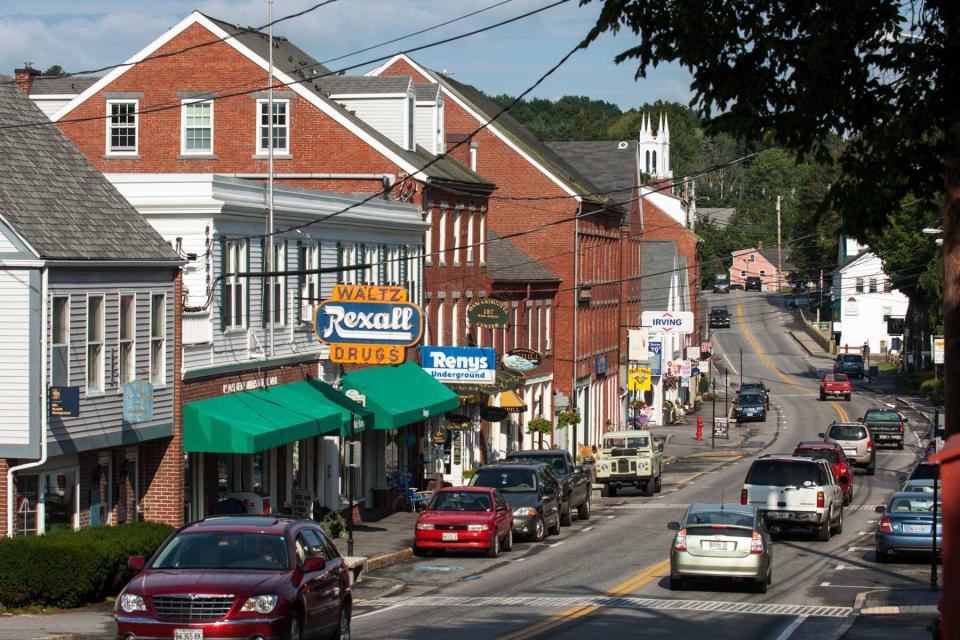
(93, 33)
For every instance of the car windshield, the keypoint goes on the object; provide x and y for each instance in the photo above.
(211, 550)
(461, 501)
(925, 472)
(750, 398)
(731, 518)
(920, 487)
(881, 416)
(506, 480)
(912, 504)
(719, 312)
(836, 377)
(626, 442)
(830, 455)
(557, 462)
(847, 432)
(782, 473)
(851, 358)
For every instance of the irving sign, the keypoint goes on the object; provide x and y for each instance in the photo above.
(368, 324)
(678, 322)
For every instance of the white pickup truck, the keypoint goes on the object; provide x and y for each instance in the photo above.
(795, 493)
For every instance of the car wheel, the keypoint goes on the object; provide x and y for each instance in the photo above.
(676, 583)
(493, 550)
(881, 557)
(583, 511)
(823, 396)
(420, 552)
(294, 626)
(900, 445)
(508, 544)
(838, 528)
(872, 469)
(539, 531)
(648, 488)
(823, 533)
(847, 397)
(658, 487)
(760, 586)
(555, 529)
(342, 631)
(566, 518)
(847, 499)
(604, 491)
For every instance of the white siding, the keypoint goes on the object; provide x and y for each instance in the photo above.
(5, 245)
(386, 115)
(49, 106)
(15, 357)
(425, 129)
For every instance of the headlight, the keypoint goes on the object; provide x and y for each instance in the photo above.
(259, 604)
(130, 603)
(604, 466)
(424, 526)
(525, 511)
(477, 527)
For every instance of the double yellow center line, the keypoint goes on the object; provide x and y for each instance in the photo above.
(625, 588)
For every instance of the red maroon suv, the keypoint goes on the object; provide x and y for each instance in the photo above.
(250, 577)
(832, 453)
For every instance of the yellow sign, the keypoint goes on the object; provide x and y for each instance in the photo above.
(639, 379)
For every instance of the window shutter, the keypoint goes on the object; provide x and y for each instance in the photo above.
(223, 284)
(382, 264)
(301, 265)
(264, 293)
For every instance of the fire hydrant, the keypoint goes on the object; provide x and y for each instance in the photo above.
(699, 427)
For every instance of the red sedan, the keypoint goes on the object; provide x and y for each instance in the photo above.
(832, 453)
(466, 518)
(835, 385)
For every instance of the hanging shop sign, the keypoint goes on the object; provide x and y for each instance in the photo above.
(368, 324)
(600, 364)
(439, 436)
(460, 364)
(656, 353)
(686, 369)
(137, 401)
(639, 379)
(637, 344)
(63, 402)
(508, 381)
(522, 360)
(488, 313)
(494, 414)
(676, 322)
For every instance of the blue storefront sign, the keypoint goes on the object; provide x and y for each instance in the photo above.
(63, 402)
(655, 347)
(600, 365)
(137, 401)
(460, 364)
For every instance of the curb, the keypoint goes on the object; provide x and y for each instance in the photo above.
(793, 334)
(389, 558)
(716, 454)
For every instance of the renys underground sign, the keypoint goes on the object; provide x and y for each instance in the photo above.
(368, 324)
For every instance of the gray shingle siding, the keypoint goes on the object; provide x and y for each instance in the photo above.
(659, 263)
(507, 263)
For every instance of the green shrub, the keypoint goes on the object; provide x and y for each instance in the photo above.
(912, 380)
(933, 389)
(73, 568)
(704, 384)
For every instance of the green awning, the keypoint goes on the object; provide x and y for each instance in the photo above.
(254, 421)
(400, 395)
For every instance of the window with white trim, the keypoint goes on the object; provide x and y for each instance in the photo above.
(281, 126)
(310, 291)
(60, 342)
(483, 239)
(549, 336)
(197, 127)
(276, 287)
(122, 127)
(158, 339)
(235, 300)
(873, 285)
(128, 338)
(443, 237)
(516, 327)
(529, 327)
(454, 323)
(95, 331)
(470, 217)
(428, 238)
(539, 327)
(456, 237)
(439, 341)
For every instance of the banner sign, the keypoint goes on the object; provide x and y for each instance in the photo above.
(676, 322)
(63, 402)
(368, 324)
(639, 379)
(937, 348)
(522, 360)
(460, 364)
(693, 353)
(656, 349)
(488, 313)
(637, 345)
(686, 369)
(137, 401)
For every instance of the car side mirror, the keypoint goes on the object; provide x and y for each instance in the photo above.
(660, 445)
(673, 526)
(820, 435)
(905, 420)
(844, 480)
(313, 564)
(901, 478)
(137, 563)
(578, 469)
(879, 508)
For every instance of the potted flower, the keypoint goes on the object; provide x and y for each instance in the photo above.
(539, 425)
(567, 419)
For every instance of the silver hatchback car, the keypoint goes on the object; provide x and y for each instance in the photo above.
(857, 443)
(721, 540)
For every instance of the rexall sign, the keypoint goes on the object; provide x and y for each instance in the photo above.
(679, 322)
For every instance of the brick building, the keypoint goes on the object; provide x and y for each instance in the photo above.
(761, 262)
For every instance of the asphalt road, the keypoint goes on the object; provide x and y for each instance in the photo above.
(607, 577)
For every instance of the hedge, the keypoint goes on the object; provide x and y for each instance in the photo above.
(73, 568)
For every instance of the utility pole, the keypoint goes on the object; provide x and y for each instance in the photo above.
(779, 249)
(268, 245)
(576, 312)
(741, 366)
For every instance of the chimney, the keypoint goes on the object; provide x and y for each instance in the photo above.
(25, 77)
(760, 244)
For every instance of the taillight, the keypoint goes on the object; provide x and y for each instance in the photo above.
(680, 544)
(885, 526)
(869, 445)
(901, 427)
(743, 496)
(756, 544)
(820, 499)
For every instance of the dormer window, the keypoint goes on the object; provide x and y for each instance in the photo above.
(122, 127)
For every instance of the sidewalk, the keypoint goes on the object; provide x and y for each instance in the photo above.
(900, 613)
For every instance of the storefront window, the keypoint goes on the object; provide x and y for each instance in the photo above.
(59, 500)
(28, 497)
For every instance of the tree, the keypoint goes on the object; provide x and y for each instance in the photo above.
(881, 75)
(55, 70)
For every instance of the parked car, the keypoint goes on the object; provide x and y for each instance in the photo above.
(721, 286)
(630, 458)
(850, 364)
(923, 471)
(757, 386)
(835, 385)
(833, 454)
(721, 540)
(269, 576)
(575, 487)
(753, 283)
(719, 318)
(886, 425)
(531, 489)
(795, 493)
(856, 442)
(748, 406)
(736, 285)
(906, 525)
(924, 485)
(465, 518)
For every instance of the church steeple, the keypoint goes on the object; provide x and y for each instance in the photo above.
(653, 149)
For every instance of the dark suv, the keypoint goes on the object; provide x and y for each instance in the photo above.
(719, 318)
(850, 364)
(753, 283)
(239, 576)
(531, 489)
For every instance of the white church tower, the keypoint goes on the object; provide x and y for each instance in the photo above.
(653, 149)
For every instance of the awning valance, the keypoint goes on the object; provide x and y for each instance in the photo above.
(510, 401)
(262, 419)
(401, 395)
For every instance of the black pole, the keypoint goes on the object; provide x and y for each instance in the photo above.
(933, 532)
(350, 488)
(726, 388)
(713, 433)
(741, 367)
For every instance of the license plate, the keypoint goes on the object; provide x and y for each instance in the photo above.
(850, 452)
(916, 528)
(449, 537)
(716, 545)
(188, 634)
(777, 515)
